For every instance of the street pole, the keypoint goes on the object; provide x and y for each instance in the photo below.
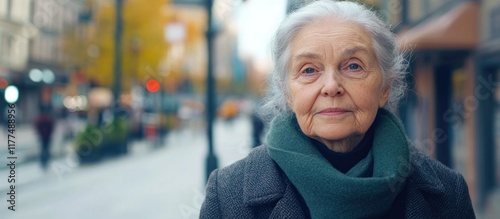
(211, 162)
(118, 55)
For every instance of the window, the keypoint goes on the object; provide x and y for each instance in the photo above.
(21, 10)
(3, 47)
(4, 4)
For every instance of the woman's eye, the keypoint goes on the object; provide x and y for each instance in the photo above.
(353, 67)
(309, 70)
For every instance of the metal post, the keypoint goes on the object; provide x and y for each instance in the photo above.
(118, 54)
(211, 162)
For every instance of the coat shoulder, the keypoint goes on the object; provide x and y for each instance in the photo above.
(443, 190)
(426, 170)
(242, 188)
(234, 175)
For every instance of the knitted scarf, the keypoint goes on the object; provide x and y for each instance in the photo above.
(365, 191)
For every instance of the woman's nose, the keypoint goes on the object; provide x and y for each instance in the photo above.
(332, 85)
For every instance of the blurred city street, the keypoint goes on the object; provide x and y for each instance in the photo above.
(164, 182)
(138, 93)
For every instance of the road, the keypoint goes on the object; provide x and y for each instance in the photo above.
(166, 182)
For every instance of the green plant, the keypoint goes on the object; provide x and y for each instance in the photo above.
(89, 143)
(90, 138)
(116, 130)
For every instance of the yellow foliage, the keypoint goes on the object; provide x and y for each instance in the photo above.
(144, 47)
(143, 43)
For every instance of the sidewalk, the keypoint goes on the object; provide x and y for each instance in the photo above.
(149, 182)
(25, 141)
(27, 148)
(30, 170)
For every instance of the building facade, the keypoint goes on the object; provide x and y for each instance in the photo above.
(488, 121)
(31, 34)
(452, 109)
(16, 32)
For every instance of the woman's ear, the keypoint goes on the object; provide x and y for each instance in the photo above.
(384, 97)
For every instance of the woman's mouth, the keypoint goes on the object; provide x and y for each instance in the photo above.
(333, 111)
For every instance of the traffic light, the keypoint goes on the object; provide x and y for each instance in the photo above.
(153, 85)
(3, 83)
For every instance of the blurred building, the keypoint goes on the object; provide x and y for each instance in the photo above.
(452, 109)
(441, 37)
(30, 33)
(15, 34)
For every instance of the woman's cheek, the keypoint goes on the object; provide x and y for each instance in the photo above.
(304, 101)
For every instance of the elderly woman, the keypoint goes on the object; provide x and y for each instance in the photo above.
(334, 149)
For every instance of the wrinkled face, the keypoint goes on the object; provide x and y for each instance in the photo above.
(335, 83)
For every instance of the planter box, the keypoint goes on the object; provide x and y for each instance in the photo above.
(92, 155)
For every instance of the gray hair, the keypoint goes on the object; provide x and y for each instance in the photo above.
(390, 59)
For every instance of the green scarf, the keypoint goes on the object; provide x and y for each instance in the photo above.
(366, 191)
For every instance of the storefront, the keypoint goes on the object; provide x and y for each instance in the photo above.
(440, 108)
(30, 83)
(488, 121)
(487, 94)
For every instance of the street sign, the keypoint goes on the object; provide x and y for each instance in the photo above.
(175, 32)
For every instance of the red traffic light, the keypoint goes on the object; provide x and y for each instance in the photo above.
(153, 85)
(3, 83)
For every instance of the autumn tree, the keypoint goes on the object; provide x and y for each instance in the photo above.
(143, 44)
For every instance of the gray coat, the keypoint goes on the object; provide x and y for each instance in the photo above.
(256, 187)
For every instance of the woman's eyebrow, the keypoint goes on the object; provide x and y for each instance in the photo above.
(308, 55)
(354, 50)
(345, 52)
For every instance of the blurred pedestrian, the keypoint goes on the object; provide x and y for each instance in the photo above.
(44, 126)
(334, 148)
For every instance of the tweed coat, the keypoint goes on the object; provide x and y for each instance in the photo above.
(255, 187)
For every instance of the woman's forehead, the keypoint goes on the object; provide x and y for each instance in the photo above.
(334, 32)
(316, 40)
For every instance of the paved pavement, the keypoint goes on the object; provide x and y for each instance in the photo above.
(165, 182)
(27, 147)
